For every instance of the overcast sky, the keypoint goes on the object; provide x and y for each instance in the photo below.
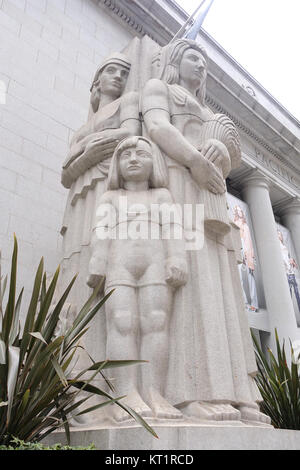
(264, 37)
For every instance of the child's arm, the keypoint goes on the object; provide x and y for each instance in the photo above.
(172, 232)
(101, 238)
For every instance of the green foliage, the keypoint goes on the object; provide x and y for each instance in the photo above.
(36, 392)
(18, 444)
(279, 386)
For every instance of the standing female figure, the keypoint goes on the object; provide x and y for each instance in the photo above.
(212, 360)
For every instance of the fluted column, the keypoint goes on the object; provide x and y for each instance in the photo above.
(290, 217)
(277, 294)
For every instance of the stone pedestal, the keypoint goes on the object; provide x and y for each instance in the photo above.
(185, 437)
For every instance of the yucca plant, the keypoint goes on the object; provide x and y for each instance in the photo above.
(279, 385)
(37, 390)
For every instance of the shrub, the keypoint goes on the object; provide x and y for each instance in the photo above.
(279, 386)
(18, 444)
(36, 392)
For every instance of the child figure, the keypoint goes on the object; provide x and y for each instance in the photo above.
(129, 251)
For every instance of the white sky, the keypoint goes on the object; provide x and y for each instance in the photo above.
(264, 37)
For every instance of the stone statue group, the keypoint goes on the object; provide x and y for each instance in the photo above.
(151, 140)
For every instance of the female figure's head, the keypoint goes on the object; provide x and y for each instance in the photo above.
(110, 79)
(184, 60)
(137, 159)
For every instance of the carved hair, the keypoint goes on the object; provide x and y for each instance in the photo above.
(169, 58)
(159, 176)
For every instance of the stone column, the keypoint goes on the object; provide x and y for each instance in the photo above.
(278, 300)
(290, 217)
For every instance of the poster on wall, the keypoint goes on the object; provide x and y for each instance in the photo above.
(239, 213)
(291, 267)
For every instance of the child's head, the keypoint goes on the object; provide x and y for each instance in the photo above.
(137, 159)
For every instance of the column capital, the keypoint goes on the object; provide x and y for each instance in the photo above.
(290, 206)
(255, 179)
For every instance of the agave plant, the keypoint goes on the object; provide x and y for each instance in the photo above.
(279, 385)
(37, 391)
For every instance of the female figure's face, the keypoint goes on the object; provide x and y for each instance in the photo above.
(192, 68)
(112, 80)
(135, 163)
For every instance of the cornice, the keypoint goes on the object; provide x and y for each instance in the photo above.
(118, 10)
(139, 17)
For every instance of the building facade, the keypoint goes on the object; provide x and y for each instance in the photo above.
(49, 52)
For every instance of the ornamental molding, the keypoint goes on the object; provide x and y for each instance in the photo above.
(120, 12)
(249, 90)
(138, 18)
(261, 158)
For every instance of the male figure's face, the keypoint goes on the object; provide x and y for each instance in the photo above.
(113, 79)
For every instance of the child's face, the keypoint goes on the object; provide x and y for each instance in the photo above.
(136, 162)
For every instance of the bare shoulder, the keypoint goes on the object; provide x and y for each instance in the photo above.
(154, 86)
(130, 98)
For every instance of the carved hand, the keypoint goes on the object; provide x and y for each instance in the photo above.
(87, 153)
(176, 271)
(96, 146)
(97, 264)
(207, 175)
(100, 145)
(217, 153)
(75, 150)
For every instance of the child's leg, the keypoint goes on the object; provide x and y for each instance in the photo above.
(122, 343)
(155, 304)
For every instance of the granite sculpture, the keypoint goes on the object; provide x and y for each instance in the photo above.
(183, 313)
(209, 328)
(144, 270)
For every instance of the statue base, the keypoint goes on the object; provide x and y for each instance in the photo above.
(229, 435)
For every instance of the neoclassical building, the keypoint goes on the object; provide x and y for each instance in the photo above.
(51, 50)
